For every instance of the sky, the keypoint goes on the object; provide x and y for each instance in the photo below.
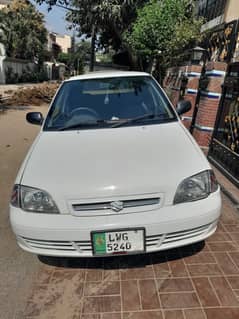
(55, 19)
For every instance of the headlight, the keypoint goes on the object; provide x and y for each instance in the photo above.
(33, 200)
(196, 187)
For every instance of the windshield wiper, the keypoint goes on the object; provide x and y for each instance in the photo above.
(118, 124)
(136, 119)
(81, 124)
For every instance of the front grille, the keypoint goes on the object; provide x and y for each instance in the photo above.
(115, 206)
(153, 242)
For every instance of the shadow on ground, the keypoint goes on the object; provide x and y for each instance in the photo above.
(123, 262)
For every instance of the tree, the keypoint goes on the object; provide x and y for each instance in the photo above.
(142, 28)
(80, 55)
(64, 58)
(107, 19)
(75, 60)
(163, 30)
(23, 31)
(113, 16)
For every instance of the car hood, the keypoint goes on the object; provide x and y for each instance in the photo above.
(124, 161)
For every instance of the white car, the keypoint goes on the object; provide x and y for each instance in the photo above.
(113, 171)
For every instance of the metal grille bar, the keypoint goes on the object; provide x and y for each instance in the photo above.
(107, 205)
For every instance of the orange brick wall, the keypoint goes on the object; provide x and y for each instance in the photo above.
(207, 111)
(208, 104)
(209, 98)
(202, 138)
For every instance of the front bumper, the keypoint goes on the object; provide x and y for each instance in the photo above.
(69, 236)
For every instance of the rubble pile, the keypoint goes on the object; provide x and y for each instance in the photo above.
(31, 96)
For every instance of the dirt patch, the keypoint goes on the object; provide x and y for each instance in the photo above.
(17, 268)
(28, 96)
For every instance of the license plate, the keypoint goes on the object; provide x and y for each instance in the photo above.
(118, 242)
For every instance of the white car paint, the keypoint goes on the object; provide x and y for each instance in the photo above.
(106, 165)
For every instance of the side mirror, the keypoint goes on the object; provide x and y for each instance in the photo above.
(183, 107)
(35, 118)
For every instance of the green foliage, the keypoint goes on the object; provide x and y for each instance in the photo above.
(83, 48)
(104, 57)
(110, 18)
(64, 58)
(141, 28)
(76, 59)
(47, 55)
(36, 76)
(24, 34)
(11, 77)
(28, 76)
(80, 56)
(164, 28)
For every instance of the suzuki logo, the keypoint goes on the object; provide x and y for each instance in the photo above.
(117, 206)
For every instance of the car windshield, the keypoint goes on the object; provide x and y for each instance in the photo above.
(108, 102)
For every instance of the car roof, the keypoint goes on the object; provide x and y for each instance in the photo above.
(106, 74)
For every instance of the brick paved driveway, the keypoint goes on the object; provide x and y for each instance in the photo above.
(195, 282)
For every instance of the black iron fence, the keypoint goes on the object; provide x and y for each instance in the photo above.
(224, 148)
(211, 9)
